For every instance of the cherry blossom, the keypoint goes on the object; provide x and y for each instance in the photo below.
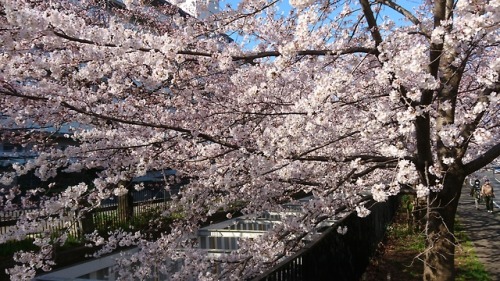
(256, 106)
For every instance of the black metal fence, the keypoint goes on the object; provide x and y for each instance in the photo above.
(332, 256)
(335, 256)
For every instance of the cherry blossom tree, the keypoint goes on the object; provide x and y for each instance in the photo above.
(329, 98)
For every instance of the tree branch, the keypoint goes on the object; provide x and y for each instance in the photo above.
(382, 165)
(400, 10)
(364, 158)
(247, 58)
(6, 89)
(324, 145)
(483, 160)
(372, 22)
(346, 51)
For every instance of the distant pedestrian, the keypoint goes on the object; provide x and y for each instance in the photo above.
(488, 195)
(475, 191)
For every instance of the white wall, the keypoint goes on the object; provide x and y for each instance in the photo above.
(200, 9)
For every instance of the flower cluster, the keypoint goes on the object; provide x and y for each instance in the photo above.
(252, 108)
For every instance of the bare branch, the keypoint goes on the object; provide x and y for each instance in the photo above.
(372, 22)
(401, 10)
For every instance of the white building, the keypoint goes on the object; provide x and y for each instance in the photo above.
(200, 9)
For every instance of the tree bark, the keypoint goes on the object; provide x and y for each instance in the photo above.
(439, 257)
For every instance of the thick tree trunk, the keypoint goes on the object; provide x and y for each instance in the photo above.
(439, 256)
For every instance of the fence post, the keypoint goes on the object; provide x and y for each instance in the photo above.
(88, 225)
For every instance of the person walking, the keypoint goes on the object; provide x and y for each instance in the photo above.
(475, 192)
(488, 195)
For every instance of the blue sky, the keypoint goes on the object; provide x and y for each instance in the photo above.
(285, 7)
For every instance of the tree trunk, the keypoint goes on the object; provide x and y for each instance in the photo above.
(439, 257)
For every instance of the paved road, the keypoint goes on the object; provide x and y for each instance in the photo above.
(483, 227)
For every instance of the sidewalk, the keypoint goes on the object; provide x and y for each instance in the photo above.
(482, 227)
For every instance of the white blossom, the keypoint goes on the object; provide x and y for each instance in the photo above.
(342, 230)
(120, 191)
(301, 3)
(362, 211)
(379, 193)
(422, 191)
(249, 107)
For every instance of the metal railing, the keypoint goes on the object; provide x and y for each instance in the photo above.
(336, 256)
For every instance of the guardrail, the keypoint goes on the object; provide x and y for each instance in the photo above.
(335, 256)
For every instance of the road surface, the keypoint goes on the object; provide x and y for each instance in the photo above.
(483, 227)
